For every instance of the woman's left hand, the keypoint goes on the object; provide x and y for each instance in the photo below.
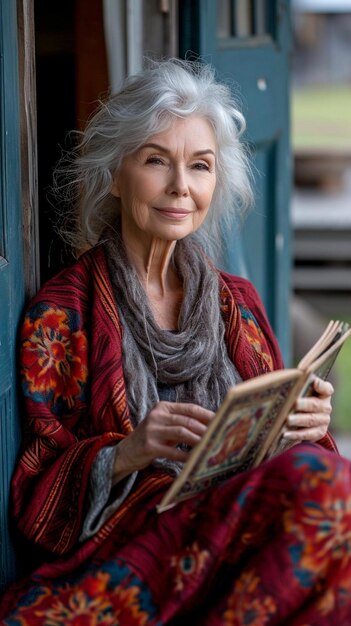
(311, 416)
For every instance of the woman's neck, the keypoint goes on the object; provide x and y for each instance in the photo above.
(153, 264)
(156, 272)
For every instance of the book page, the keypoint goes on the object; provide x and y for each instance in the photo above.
(331, 336)
(320, 345)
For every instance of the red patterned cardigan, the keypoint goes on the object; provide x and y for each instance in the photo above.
(74, 388)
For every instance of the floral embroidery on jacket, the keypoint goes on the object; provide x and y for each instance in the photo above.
(255, 337)
(54, 357)
(246, 605)
(320, 528)
(188, 565)
(110, 597)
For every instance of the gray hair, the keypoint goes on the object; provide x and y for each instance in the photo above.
(145, 106)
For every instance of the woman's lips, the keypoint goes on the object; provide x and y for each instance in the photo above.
(173, 213)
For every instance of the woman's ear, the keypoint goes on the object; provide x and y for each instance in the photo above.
(115, 186)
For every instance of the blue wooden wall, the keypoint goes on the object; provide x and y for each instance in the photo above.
(11, 272)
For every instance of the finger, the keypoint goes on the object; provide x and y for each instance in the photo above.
(322, 387)
(191, 410)
(174, 435)
(189, 423)
(141, 452)
(155, 435)
(159, 419)
(313, 404)
(306, 434)
(308, 420)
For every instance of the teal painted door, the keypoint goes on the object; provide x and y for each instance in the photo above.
(11, 271)
(248, 41)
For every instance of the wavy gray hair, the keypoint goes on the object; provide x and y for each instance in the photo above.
(145, 106)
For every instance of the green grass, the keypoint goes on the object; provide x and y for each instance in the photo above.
(321, 117)
(341, 419)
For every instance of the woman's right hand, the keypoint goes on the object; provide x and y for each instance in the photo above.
(167, 425)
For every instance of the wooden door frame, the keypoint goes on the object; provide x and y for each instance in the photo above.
(29, 148)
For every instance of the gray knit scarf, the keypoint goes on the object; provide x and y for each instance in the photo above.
(193, 360)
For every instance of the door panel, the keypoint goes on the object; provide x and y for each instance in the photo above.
(248, 43)
(11, 271)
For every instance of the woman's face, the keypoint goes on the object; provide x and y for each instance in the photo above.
(166, 187)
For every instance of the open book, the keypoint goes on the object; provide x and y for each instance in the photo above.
(248, 427)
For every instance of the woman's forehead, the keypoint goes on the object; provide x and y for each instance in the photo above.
(195, 130)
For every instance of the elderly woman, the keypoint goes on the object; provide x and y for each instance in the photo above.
(125, 357)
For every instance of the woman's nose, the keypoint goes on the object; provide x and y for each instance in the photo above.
(178, 184)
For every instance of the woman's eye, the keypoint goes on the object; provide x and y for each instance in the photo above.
(154, 160)
(200, 165)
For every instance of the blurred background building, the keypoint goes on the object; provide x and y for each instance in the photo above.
(321, 198)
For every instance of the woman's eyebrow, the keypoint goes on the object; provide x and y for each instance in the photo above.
(206, 151)
(157, 146)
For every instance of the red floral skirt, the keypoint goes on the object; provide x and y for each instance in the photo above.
(271, 546)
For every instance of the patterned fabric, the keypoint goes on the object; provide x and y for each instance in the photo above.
(108, 595)
(255, 337)
(270, 546)
(54, 357)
